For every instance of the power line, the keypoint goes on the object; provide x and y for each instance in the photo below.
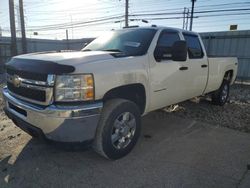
(86, 10)
(224, 4)
(196, 12)
(180, 17)
(223, 10)
(148, 10)
(80, 24)
(213, 5)
(67, 25)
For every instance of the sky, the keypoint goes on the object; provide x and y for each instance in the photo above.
(90, 18)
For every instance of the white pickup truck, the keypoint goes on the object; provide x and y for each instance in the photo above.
(97, 96)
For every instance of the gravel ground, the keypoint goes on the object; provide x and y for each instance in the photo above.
(235, 114)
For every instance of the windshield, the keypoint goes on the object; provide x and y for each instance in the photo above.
(132, 42)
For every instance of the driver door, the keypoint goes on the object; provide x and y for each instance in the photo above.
(169, 81)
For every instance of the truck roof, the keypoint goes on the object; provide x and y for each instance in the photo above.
(161, 28)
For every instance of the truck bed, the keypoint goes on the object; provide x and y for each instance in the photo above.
(217, 68)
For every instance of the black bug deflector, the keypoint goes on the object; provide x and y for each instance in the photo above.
(38, 66)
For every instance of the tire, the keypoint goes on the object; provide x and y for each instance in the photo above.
(118, 129)
(220, 96)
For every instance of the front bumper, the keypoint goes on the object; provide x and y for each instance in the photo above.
(55, 122)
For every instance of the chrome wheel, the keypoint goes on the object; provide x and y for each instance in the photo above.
(224, 93)
(123, 130)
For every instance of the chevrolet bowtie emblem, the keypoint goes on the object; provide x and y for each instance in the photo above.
(16, 81)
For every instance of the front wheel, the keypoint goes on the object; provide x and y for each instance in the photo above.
(118, 129)
(220, 96)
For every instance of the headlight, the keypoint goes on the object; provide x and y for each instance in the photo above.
(74, 88)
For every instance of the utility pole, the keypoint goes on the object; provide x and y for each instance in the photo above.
(17, 20)
(12, 28)
(72, 27)
(126, 13)
(24, 42)
(67, 39)
(187, 18)
(0, 45)
(192, 15)
(184, 18)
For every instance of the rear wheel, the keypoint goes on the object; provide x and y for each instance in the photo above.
(220, 96)
(118, 129)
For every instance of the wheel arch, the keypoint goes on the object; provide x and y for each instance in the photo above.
(229, 74)
(133, 92)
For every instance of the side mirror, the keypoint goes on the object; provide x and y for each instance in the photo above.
(179, 51)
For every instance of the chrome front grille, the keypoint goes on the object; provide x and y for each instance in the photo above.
(34, 91)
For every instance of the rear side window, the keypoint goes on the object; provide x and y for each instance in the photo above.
(194, 46)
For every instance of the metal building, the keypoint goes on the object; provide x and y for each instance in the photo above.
(230, 43)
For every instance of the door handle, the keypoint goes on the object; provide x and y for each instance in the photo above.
(203, 66)
(183, 68)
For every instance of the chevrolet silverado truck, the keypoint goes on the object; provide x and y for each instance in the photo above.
(97, 96)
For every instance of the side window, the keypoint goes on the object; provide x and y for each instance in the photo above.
(167, 39)
(194, 46)
(164, 44)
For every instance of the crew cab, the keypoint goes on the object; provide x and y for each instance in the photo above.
(97, 96)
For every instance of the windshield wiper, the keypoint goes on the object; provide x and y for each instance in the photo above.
(113, 50)
(118, 54)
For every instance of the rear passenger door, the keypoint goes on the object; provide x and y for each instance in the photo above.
(198, 64)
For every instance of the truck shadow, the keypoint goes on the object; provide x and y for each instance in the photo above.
(42, 162)
(166, 148)
(48, 165)
(4, 167)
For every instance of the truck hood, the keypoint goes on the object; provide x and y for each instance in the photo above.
(56, 62)
(69, 58)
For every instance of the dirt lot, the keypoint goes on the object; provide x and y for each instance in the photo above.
(48, 166)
